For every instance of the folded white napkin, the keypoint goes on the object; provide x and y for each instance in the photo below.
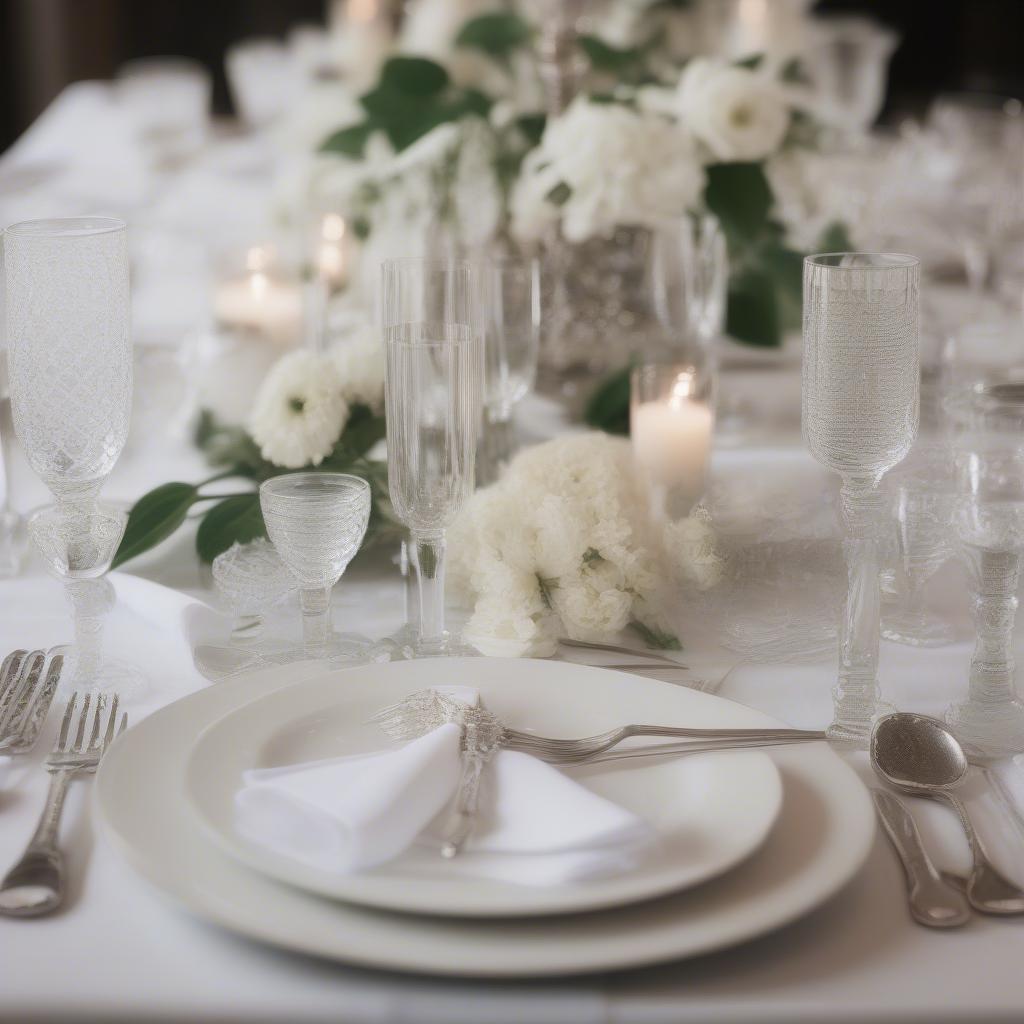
(535, 826)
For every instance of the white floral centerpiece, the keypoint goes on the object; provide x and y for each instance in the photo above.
(562, 546)
(313, 410)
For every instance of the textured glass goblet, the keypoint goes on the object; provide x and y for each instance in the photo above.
(432, 331)
(861, 385)
(511, 341)
(250, 578)
(989, 458)
(70, 367)
(316, 522)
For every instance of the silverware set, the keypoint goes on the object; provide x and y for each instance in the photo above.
(28, 682)
(920, 756)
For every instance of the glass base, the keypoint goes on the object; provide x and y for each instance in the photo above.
(916, 631)
(451, 645)
(988, 731)
(857, 734)
(340, 650)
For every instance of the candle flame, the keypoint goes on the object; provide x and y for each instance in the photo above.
(258, 284)
(682, 390)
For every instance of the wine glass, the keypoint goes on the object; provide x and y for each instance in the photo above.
(70, 367)
(317, 521)
(988, 445)
(511, 340)
(861, 386)
(432, 326)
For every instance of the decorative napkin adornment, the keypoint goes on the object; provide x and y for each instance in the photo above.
(535, 825)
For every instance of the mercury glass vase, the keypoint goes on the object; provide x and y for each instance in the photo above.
(860, 390)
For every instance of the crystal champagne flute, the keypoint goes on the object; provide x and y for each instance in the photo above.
(432, 331)
(70, 366)
(861, 385)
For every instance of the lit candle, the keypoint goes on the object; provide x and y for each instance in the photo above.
(362, 39)
(259, 301)
(672, 444)
(331, 257)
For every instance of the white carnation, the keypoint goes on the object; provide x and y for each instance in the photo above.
(359, 368)
(738, 113)
(299, 412)
(619, 167)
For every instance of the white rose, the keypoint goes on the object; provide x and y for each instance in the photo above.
(299, 412)
(737, 113)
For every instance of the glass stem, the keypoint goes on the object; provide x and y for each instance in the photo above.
(428, 559)
(316, 619)
(995, 576)
(86, 597)
(856, 693)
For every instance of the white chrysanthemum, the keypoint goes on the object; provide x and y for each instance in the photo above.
(359, 367)
(691, 546)
(739, 114)
(299, 412)
(619, 167)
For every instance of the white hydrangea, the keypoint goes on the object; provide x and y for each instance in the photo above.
(738, 113)
(300, 411)
(359, 367)
(560, 546)
(617, 166)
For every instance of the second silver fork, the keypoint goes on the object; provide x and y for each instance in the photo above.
(35, 885)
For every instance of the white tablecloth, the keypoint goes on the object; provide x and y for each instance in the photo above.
(121, 952)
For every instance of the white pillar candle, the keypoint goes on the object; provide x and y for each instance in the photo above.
(672, 442)
(259, 301)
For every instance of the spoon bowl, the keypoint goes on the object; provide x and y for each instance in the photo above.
(914, 752)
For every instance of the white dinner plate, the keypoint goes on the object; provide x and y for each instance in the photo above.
(822, 836)
(709, 811)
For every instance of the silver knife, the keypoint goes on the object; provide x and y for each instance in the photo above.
(933, 902)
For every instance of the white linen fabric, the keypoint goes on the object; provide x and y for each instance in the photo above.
(535, 826)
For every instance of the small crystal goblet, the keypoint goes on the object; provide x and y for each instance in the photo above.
(251, 578)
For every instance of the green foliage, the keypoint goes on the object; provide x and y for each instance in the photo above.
(741, 198)
(532, 126)
(237, 519)
(497, 34)
(608, 407)
(154, 517)
(604, 57)
(656, 637)
(836, 238)
(560, 194)
(349, 141)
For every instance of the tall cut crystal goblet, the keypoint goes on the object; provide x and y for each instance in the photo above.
(861, 385)
(988, 445)
(511, 338)
(70, 366)
(317, 521)
(432, 330)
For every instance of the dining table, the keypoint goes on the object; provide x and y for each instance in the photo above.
(120, 950)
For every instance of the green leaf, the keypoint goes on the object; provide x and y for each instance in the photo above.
(363, 430)
(607, 408)
(234, 519)
(836, 238)
(532, 126)
(603, 57)
(153, 518)
(751, 63)
(349, 141)
(752, 316)
(497, 34)
(560, 194)
(740, 197)
(793, 72)
(656, 637)
(414, 76)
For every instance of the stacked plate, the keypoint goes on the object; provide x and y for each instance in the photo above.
(749, 839)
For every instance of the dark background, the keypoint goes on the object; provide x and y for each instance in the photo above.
(44, 44)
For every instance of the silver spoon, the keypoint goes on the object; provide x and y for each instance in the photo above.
(921, 756)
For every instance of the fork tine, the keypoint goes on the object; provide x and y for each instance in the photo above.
(101, 703)
(65, 723)
(76, 746)
(124, 723)
(27, 678)
(24, 728)
(111, 722)
(9, 668)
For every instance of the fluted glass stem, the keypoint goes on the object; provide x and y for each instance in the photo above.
(315, 604)
(856, 693)
(995, 576)
(428, 558)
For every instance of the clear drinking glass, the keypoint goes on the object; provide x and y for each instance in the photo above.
(989, 458)
(431, 317)
(250, 578)
(511, 341)
(861, 385)
(924, 501)
(70, 366)
(316, 522)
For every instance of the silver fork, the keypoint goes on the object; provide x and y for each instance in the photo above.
(26, 693)
(35, 885)
(636, 652)
(573, 751)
